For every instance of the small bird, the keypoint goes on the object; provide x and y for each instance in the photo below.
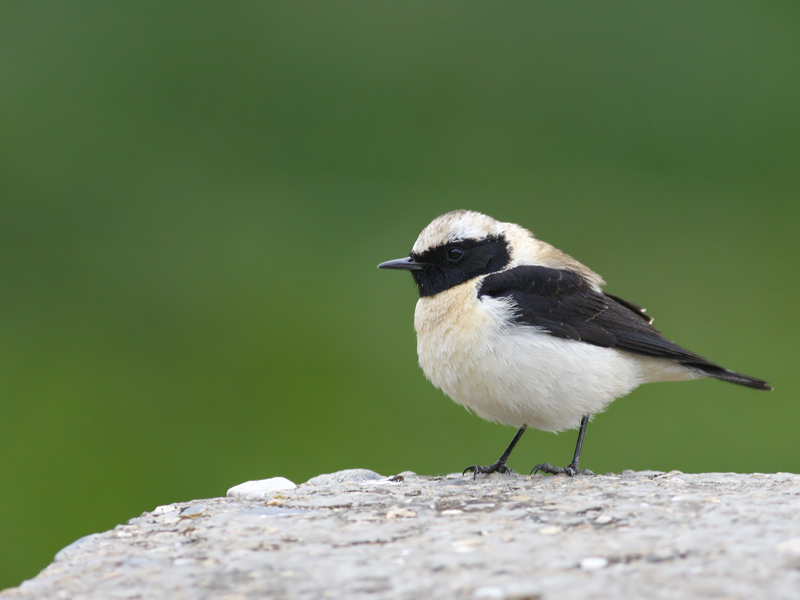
(522, 334)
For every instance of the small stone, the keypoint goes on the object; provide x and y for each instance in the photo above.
(400, 513)
(489, 591)
(123, 533)
(452, 511)
(593, 563)
(346, 476)
(467, 545)
(480, 506)
(259, 490)
(552, 530)
(161, 510)
(790, 552)
(670, 474)
(520, 498)
(603, 519)
(193, 511)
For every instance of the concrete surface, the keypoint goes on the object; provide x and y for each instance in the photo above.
(357, 535)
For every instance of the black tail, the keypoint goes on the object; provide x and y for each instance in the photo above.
(718, 372)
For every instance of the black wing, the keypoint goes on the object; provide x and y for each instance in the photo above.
(566, 306)
(563, 304)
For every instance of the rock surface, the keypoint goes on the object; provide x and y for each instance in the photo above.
(358, 535)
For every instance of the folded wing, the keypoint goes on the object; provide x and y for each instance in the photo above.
(565, 305)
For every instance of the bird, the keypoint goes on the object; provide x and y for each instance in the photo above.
(522, 334)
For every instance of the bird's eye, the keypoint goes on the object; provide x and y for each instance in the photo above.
(455, 254)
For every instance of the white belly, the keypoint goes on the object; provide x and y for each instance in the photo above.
(511, 374)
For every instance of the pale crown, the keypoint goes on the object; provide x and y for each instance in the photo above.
(456, 226)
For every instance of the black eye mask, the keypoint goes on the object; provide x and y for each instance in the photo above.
(454, 263)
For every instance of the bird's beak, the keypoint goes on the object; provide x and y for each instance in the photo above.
(403, 264)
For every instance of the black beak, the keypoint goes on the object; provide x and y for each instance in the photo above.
(403, 264)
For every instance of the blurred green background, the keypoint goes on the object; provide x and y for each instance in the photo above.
(194, 197)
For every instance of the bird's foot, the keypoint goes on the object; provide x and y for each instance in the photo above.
(498, 467)
(571, 469)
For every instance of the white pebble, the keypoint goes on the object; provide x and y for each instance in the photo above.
(258, 490)
(593, 563)
(790, 551)
(603, 519)
(191, 512)
(162, 510)
(489, 591)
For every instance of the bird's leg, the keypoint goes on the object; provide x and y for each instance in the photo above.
(500, 465)
(572, 468)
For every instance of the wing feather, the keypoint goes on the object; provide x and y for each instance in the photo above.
(565, 305)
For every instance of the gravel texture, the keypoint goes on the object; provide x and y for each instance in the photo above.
(355, 534)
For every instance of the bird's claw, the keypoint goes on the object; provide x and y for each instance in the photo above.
(497, 467)
(571, 470)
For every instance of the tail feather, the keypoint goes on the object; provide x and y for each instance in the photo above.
(725, 375)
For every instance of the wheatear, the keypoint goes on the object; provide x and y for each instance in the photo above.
(522, 334)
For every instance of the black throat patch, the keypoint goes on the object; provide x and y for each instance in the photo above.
(454, 263)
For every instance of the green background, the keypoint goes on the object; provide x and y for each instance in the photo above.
(194, 198)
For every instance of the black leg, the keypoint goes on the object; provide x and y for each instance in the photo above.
(500, 465)
(572, 468)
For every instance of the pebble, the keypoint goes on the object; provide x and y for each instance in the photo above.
(160, 510)
(193, 511)
(790, 552)
(347, 476)
(603, 519)
(489, 591)
(554, 530)
(669, 474)
(593, 563)
(257, 490)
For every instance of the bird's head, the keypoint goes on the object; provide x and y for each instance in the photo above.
(461, 245)
(454, 248)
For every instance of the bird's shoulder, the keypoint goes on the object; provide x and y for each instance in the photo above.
(557, 292)
(556, 300)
